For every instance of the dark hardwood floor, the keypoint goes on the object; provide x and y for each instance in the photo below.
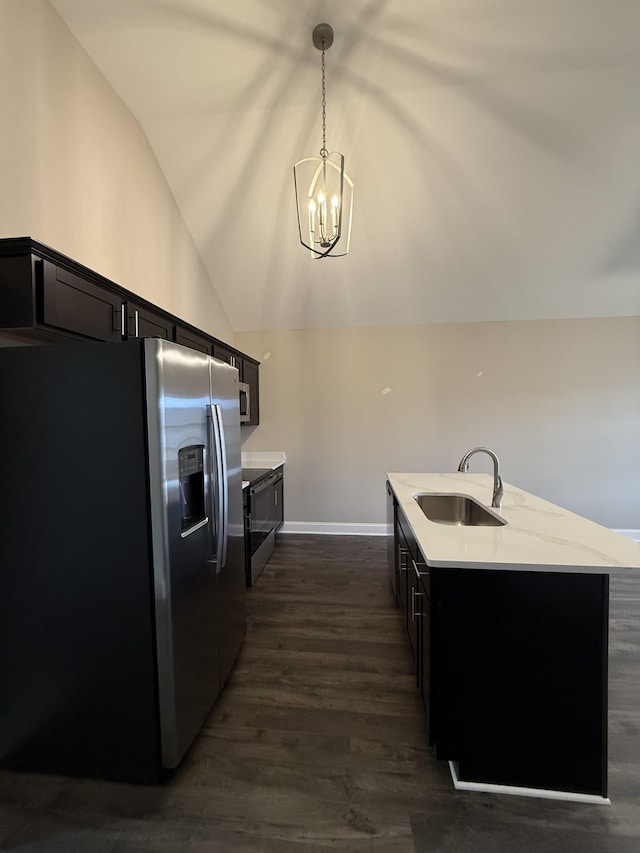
(318, 743)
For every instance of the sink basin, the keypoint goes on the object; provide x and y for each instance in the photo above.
(457, 509)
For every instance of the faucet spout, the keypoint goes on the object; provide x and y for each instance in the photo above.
(496, 500)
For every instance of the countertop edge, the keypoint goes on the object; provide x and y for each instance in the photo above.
(539, 536)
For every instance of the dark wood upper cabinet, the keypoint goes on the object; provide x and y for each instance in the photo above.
(42, 299)
(48, 297)
(225, 353)
(192, 340)
(69, 302)
(143, 323)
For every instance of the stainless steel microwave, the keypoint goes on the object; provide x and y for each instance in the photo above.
(245, 402)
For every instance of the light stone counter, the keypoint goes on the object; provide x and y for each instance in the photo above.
(263, 458)
(538, 536)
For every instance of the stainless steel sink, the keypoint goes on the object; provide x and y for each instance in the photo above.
(457, 509)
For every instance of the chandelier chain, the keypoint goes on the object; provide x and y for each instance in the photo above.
(323, 150)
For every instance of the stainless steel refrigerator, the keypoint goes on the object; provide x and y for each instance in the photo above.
(122, 580)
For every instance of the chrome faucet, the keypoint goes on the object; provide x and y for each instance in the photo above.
(496, 499)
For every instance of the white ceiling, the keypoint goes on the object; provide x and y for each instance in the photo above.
(494, 145)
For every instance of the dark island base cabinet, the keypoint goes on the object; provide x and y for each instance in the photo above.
(410, 583)
(512, 669)
(521, 672)
(48, 297)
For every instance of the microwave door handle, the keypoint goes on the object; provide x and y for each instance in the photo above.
(219, 475)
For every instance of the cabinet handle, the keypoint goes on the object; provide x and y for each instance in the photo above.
(137, 324)
(416, 612)
(123, 317)
(403, 559)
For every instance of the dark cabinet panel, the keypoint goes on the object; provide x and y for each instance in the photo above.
(413, 593)
(425, 681)
(392, 541)
(191, 339)
(17, 292)
(225, 353)
(69, 302)
(521, 664)
(47, 296)
(407, 559)
(144, 323)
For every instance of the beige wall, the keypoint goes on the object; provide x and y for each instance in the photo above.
(77, 172)
(559, 401)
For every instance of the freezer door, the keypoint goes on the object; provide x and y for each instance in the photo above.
(228, 512)
(185, 578)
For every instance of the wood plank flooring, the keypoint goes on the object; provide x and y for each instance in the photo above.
(318, 743)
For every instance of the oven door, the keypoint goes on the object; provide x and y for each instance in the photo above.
(263, 523)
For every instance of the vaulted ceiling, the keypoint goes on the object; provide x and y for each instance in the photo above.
(493, 145)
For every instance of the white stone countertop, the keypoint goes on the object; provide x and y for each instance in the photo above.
(263, 458)
(538, 536)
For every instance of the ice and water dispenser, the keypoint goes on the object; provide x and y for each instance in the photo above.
(191, 473)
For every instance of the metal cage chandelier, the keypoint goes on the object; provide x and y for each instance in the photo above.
(324, 191)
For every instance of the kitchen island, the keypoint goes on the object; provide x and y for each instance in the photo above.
(508, 625)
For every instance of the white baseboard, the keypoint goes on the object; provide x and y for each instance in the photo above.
(338, 528)
(334, 528)
(490, 788)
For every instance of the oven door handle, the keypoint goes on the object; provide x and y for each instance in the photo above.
(261, 485)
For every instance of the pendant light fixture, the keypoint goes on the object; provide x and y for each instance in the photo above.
(324, 191)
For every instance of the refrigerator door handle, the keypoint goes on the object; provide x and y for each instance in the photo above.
(221, 498)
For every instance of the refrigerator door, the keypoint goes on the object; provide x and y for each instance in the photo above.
(185, 578)
(227, 502)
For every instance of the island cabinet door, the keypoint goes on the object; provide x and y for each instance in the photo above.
(423, 605)
(520, 677)
(392, 541)
(403, 563)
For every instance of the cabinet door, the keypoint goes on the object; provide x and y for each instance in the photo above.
(143, 323)
(69, 302)
(190, 339)
(224, 353)
(392, 541)
(250, 375)
(418, 614)
(403, 562)
(423, 605)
